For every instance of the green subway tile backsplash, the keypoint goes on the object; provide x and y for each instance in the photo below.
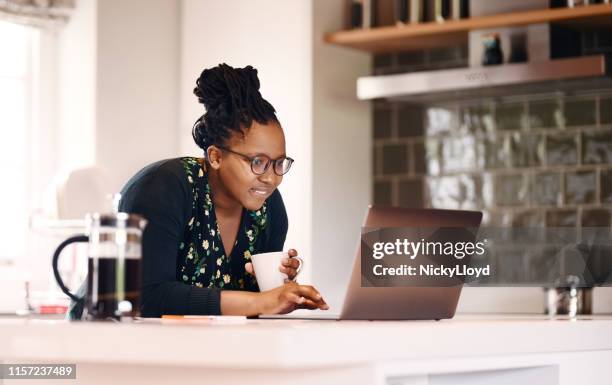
(545, 114)
(605, 110)
(606, 186)
(561, 149)
(544, 160)
(546, 189)
(461, 191)
(597, 147)
(375, 159)
(382, 193)
(562, 218)
(382, 123)
(493, 151)
(440, 120)
(526, 150)
(477, 118)
(580, 187)
(526, 161)
(528, 218)
(433, 154)
(459, 154)
(596, 218)
(420, 159)
(410, 193)
(394, 159)
(580, 112)
(409, 121)
(510, 116)
(511, 190)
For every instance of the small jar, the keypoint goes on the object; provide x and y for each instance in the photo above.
(492, 51)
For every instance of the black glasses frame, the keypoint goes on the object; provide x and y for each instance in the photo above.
(269, 161)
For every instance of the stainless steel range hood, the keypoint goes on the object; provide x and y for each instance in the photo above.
(563, 75)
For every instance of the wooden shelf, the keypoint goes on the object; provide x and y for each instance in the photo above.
(430, 35)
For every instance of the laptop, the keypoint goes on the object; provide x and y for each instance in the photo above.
(397, 303)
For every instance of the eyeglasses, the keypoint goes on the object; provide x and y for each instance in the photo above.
(261, 163)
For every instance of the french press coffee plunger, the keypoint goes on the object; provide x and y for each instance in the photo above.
(114, 265)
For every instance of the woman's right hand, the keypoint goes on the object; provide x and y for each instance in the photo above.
(285, 299)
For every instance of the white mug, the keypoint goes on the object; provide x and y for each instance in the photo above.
(266, 267)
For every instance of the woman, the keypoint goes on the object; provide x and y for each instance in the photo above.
(206, 217)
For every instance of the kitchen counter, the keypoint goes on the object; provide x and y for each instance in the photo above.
(526, 349)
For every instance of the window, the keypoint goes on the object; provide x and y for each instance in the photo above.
(19, 45)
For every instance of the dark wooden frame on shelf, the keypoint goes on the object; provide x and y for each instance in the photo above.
(423, 36)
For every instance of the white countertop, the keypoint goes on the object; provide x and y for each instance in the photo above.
(275, 343)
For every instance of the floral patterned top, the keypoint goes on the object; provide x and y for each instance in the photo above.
(202, 259)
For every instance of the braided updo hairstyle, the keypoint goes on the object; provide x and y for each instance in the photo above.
(232, 101)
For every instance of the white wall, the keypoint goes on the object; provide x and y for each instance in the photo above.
(137, 78)
(118, 67)
(77, 47)
(275, 37)
(341, 149)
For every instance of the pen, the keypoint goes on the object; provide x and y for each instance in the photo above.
(206, 318)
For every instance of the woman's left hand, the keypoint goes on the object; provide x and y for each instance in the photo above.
(288, 266)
